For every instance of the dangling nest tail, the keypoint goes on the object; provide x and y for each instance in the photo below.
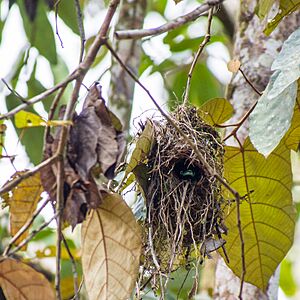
(183, 199)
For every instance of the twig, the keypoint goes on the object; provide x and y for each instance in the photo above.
(81, 29)
(250, 83)
(24, 227)
(80, 71)
(209, 169)
(13, 91)
(40, 96)
(240, 123)
(59, 210)
(79, 289)
(31, 236)
(200, 50)
(52, 111)
(11, 184)
(189, 17)
(56, 25)
(74, 269)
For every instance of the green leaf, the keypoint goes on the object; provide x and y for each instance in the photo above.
(264, 7)
(142, 148)
(289, 53)
(39, 32)
(31, 138)
(267, 213)
(271, 118)
(204, 85)
(216, 111)
(285, 8)
(67, 12)
(25, 119)
(286, 280)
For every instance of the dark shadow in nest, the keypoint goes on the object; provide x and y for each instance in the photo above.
(183, 199)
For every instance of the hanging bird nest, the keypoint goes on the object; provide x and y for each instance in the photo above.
(183, 200)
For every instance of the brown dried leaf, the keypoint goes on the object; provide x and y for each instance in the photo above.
(111, 248)
(22, 202)
(20, 281)
(94, 138)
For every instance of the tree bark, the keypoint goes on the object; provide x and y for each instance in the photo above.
(121, 90)
(256, 52)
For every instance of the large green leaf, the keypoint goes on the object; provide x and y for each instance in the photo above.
(204, 85)
(67, 12)
(267, 213)
(286, 7)
(39, 32)
(31, 138)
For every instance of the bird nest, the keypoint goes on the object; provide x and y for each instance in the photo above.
(183, 199)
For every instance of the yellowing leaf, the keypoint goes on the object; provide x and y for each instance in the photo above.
(264, 7)
(233, 65)
(285, 8)
(50, 251)
(22, 202)
(292, 138)
(20, 281)
(142, 148)
(267, 213)
(111, 248)
(24, 119)
(216, 111)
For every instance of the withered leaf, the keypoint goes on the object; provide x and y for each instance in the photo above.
(20, 281)
(111, 248)
(94, 139)
(95, 145)
(22, 202)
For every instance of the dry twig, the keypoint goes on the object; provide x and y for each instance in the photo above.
(191, 16)
(200, 50)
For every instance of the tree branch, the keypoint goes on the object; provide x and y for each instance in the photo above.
(189, 17)
(11, 184)
(200, 50)
(40, 96)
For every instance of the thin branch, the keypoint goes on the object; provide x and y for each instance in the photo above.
(74, 269)
(81, 29)
(56, 25)
(240, 123)
(24, 227)
(40, 96)
(80, 71)
(52, 112)
(13, 91)
(209, 169)
(11, 184)
(31, 236)
(250, 83)
(189, 17)
(59, 210)
(200, 50)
